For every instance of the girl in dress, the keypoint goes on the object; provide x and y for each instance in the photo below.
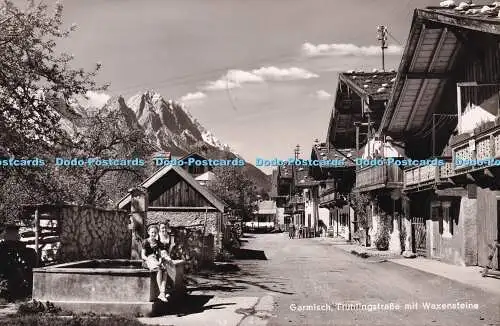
(164, 243)
(151, 255)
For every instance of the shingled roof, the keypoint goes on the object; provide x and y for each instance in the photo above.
(323, 153)
(376, 84)
(303, 179)
(483, 12)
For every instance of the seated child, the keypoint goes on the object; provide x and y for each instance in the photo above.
(151, 256)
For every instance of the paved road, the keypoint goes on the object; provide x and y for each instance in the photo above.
(310, 282)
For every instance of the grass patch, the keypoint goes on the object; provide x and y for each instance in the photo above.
(78, 320)
(47, 314)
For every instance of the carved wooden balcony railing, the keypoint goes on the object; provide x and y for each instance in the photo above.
(327, 199)
(297, 200)
(377, 177)
(427, 176)
(483, 145)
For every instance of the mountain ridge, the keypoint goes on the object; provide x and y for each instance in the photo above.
(169, 127)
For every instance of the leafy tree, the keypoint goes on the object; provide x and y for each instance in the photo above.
(33, 78)
(235, 189)
(107, 135)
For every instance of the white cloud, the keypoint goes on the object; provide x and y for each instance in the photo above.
(193, 97)
(312, 50)
(236, 78)
(274, 73)
(233, 79)
(97, 99)
(323, 95)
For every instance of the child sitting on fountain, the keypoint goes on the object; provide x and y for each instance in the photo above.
(151, 255)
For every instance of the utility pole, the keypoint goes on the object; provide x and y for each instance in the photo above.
(382, 37)
(296, 152)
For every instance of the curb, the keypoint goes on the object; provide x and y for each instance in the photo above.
(367, 254)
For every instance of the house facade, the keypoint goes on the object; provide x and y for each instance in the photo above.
(445, 107)
(336, 216)
(282, 188)
(358, 109)
(172, 194)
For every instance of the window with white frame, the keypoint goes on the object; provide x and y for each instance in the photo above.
(447, 219)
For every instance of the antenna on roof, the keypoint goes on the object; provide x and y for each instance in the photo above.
(382, 37)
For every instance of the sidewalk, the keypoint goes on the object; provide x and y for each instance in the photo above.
(232, 311)
(469, 275)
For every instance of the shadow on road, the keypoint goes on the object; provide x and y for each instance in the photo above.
(493, 275)
(241, 253)
(234, 280)
(185, 305)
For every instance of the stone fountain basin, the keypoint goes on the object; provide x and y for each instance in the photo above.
(102, 286)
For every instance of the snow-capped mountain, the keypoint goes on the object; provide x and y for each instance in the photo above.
(167, 125)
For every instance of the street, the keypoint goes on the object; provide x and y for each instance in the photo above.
(309, 280)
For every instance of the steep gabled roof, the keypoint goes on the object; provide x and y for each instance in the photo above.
(482, 18)
(377, 84)
(323, 152)
(437, 35)
(186, 177)
(303, 179)
(358, 93)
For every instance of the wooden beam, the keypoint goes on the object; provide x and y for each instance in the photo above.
(420, 41)
(427, 75)
(438, 48)
(479, 24)
(414, 108)
(37, 237)
(451, 192)
(397, 106)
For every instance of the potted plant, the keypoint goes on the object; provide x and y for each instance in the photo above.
(359, 203)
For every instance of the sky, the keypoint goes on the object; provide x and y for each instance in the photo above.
(261, 74)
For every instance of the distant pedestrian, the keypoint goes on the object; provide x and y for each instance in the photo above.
(291, 231)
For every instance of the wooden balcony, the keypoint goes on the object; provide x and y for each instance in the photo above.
(428, 176)
(379, 177)
(327, 199)
(297, 200)
(482, 151)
